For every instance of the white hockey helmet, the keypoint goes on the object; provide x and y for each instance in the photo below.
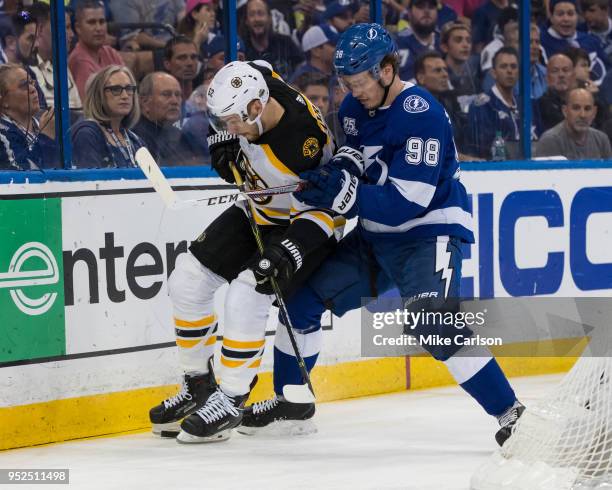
(231, 91)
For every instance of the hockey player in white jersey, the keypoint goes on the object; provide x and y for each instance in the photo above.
(272, 133)
(413, 215)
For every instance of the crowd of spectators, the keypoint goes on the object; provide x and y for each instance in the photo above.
(138, 71)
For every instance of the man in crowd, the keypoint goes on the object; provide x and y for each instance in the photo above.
(315, 86)
(574, 138)
(561, 79)
(262, 43)
(421, 36)
(43, 68)
(90, 54)
(160, 102)
(496, 111)
(597, 17)
(318, 44)
(340, 14)
(431, 72)
(562, 34)
(214, 52)
(181, 61)
(484, 21)
(463, 67)
(158, 11)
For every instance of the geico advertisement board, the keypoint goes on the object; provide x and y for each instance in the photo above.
(87, 273)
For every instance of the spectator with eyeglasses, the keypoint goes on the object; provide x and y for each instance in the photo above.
(25, 142)
(160, 99)
(104, 139)
(90, 54)
(43, 66)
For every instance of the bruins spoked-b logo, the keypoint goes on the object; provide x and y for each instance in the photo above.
(236, 82)
(310, 147)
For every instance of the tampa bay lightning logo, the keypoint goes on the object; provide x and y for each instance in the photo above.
(415, 103)
(372, 34)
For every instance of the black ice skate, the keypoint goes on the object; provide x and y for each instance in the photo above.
(507, 421)
(279, 417)
(215, 420)
(194, 392)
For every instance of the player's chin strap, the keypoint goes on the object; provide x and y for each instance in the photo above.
(386, 88)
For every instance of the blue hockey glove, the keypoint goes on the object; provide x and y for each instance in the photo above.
(330, 188)
(279, 260)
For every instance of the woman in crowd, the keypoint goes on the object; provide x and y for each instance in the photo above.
(200, 21)
(25, 142)
(111, 108)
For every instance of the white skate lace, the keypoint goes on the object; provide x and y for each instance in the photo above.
(178, 398)
(264, 406)
(509, 416)
(218, 405)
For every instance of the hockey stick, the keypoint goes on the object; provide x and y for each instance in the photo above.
(293, 393)
(153, 173)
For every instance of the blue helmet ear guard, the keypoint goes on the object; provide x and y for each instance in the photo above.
(362, 47)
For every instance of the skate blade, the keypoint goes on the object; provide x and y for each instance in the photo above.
(171, 429)
(186, 438)
(281, 428)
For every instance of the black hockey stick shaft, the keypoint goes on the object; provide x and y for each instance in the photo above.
(277, 292)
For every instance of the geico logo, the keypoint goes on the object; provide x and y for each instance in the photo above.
(135, 271)
(585, 258)
(17, 279)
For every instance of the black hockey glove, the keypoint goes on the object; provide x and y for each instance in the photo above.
(224, 148)
(280, 260)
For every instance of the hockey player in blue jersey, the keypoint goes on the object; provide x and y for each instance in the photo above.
(398, 172)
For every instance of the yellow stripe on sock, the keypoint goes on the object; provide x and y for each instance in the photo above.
(187, 344)
(202, 322)
(211, 340)
(231, 364)
(255, 364)
(242, 344)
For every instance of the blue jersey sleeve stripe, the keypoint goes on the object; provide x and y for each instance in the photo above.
(414, 191)
(447, 216)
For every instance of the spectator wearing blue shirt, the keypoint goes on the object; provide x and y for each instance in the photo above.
(463, 67)
(497, 110)
(596, 14)
(485, 20)
(25, 143)
(104, 139)
(318, 44)
(420, 37)
(562, 34)
(213, 52)
(340, 15)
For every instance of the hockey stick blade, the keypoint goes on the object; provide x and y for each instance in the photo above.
(298, 394)
(149, 166)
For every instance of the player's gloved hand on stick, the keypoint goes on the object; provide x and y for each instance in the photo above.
(349, 159)
(224, 148)
(331, 188)
(279, 260)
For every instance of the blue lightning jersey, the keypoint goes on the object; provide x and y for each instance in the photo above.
(410, 187)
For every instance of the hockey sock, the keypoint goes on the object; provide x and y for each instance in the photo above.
(491, 389)
(192, 287)
(286, 369)
(246, 315)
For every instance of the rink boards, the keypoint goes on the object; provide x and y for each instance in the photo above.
(87, 339)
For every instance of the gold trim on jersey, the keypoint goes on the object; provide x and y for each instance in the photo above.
(320, 218)
(266, 216)
(274, 160)
(316, 113)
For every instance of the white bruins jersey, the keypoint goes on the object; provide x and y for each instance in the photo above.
(301, 141)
